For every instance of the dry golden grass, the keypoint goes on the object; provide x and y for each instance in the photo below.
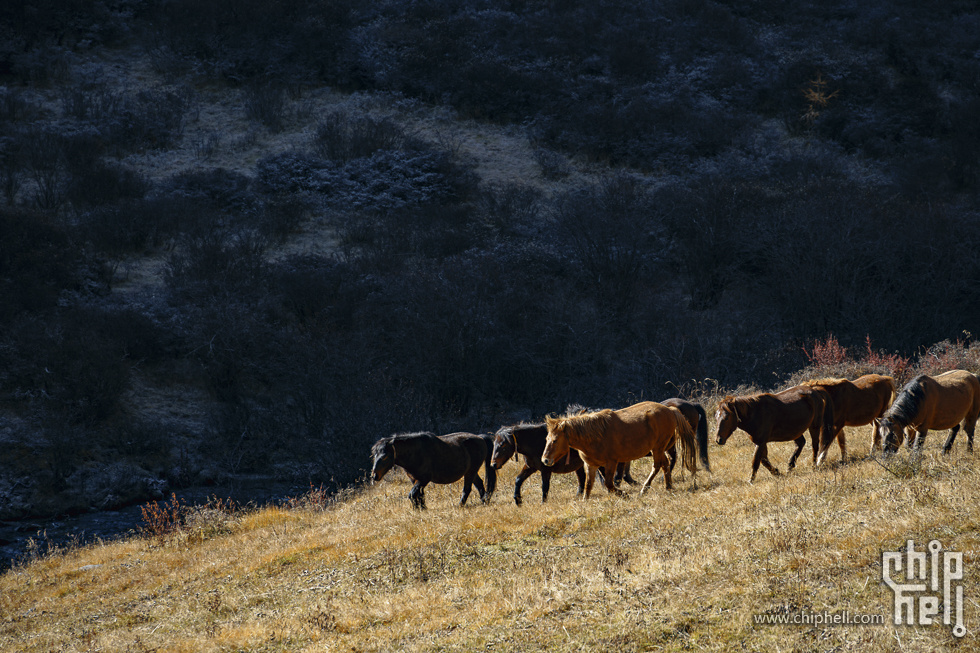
(669, 571)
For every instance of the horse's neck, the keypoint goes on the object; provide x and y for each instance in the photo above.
(579, 436)
(529, 442)
(747, 413)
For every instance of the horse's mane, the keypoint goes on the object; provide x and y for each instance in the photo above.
(508, 431)
(380, 445)
(590, 426)
(828, 381)
(908, 403)
(742, 400)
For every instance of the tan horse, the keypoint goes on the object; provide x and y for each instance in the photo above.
(947, 401)
(607, 437)
(780, 417)
(856, 403)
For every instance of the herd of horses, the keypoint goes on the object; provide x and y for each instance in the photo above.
(604, 442)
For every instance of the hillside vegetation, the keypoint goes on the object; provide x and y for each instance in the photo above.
(670, 571)
(246, 239)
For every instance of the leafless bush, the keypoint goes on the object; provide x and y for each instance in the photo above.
(553, 164)
(342, 137)
(47, 165)
(265, 102)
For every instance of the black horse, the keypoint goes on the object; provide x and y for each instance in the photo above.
(528, 439)
(430, 458)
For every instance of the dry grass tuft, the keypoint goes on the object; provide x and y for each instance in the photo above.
(684, 570)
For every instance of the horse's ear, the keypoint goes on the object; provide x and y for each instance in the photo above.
(550, 421)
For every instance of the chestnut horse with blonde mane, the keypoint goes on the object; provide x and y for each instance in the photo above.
(780, 417)
(947, 401)
(857, 403)
(607, 437)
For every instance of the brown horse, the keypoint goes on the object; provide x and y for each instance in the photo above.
(947, 401)
(607, 437)
(779, 417)
(856, 403)
(696, 417)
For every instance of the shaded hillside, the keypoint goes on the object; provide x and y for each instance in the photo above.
(252, 239)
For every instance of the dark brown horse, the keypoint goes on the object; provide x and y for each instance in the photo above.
(780, 417)
(696, 417)
(857, 403)
(607, 437)
(428, 458)
(947, 401)
(529, 439)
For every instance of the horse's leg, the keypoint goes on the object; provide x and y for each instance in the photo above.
(799, 442)
(919, 439)
(589, 479)
(623, 474)
(665, 463)
(484, 495)
(417, 495)
(580, 473)
(545, 484)
(951, 438)
(875, 437)
(467, 486)
(610, 484)
(760, 451)
(762, 458)
(653, 473)
(521, 477)
(672, 456)
(842, 441)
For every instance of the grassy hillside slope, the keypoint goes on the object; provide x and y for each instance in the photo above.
(681, 570)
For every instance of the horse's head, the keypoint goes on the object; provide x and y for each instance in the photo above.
(726, 420)
(504, 447)
(556, 444)
(383, 452)
(890, 433)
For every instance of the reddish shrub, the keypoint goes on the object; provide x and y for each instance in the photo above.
(826, 353)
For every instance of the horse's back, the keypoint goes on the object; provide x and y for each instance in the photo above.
(638, 412)
(957, 378)
(958, 390)
(859, 402)
(477, 444)
(793, 410)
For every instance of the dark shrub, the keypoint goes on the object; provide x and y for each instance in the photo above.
(37, 263)
(265, 102)
(219, 263)
(341, 136)
(106, 183)
(387, 180)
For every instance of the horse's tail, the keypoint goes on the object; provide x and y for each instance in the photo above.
(489, 471)
(689, 445)
(703, 437)
(828, 430)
